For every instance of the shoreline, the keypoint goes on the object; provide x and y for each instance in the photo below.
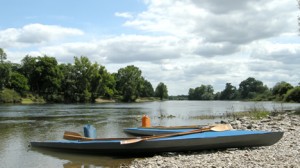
(284, 153)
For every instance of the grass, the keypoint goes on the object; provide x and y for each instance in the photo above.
(32, 100)
(205, 117)
(147, 99)
(257, 115)
(297, 111)
(253, 113)
(27, 101)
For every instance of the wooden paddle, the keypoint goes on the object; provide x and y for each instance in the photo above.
(76, 136)
(217, 127)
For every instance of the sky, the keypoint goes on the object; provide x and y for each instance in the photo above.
(182, 43)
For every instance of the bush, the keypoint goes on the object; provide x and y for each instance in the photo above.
(293, 95)
(9, 96)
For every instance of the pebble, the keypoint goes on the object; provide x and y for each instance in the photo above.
(283, 154)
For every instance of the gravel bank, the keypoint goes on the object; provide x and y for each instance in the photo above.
(285, 153)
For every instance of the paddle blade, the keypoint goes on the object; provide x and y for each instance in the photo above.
(130, 141)
(74, 136)
(70, 137)
(221, 127)
(72, 133)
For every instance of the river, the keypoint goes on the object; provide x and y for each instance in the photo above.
(20, 124)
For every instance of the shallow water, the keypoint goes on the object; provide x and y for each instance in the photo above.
(20, 124)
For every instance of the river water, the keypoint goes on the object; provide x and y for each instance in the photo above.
(20, 124)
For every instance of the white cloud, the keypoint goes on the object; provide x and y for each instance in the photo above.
(32, 34)
(124, 15)
(183, 43)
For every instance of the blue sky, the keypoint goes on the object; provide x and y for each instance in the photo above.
(183, 43)
(95, 15)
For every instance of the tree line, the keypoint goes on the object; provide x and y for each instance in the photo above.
(82, 81)
(249, 89)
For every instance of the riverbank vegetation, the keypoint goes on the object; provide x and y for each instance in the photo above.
(43, 79)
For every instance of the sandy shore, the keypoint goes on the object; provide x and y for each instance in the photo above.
(285, 153)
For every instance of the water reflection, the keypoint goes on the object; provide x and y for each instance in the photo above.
(20, 124)
(85, 160)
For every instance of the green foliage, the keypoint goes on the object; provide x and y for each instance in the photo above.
(128, 81)
(229, 93)
(68, 86)
(204, 92)
(19, 83)
(9, 96)
(280, 89)
(48, 75)
(84, 81)
(293, 95)
(179, 97)
(5, 73)
(28, 67)
(161, 91)
(258, 113)
(3, 56)
(251, 87)
(107, 83)
(265, 96)
(146, 89)
(43, 74)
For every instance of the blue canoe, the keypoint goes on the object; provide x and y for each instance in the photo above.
(143, 131)
(190, 142)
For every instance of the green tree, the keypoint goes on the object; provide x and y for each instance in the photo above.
(49, 75)
(161, 91)
(28, 66)
(3, 56)
(86, 79)
(5, 73)
(95, 82)
(128, 82)
(229, 93)
(293, 95)
(250, 88)
(68, 85)
(146, 89)
(107, 86)
(280, 89)
(19, 83)
(5, 70)
(44, 76)
(191, 94)
(204, 92)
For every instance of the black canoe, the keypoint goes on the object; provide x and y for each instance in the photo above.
(190, 142)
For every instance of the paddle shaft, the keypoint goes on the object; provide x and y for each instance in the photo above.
(218, 127)
(177, 134)
(76, 136)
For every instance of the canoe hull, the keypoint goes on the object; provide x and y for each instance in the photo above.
(193, 142)
(152, 131)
